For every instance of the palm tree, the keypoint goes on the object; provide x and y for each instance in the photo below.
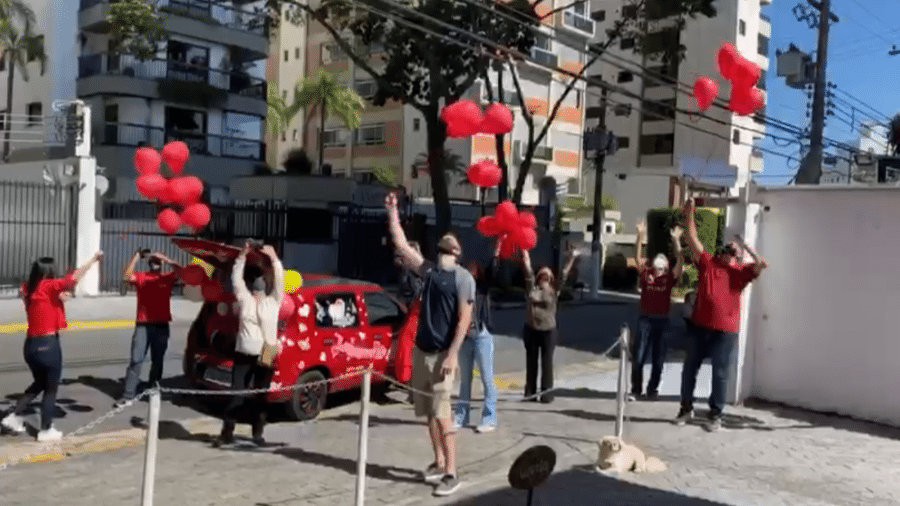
(18, 47)
(276, 114)
(326, 92)
(893, 135)
(15, 9)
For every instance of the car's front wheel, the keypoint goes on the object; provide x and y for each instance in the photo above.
(309, 396)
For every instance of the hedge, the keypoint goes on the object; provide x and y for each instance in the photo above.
(661, 220)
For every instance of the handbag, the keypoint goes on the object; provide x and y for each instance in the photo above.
(267, 355)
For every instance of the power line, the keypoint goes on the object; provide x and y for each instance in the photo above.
(857, 100)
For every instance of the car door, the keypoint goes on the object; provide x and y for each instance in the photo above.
(383, 320)
(337, 328)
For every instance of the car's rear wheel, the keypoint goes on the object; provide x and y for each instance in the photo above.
(309, 396)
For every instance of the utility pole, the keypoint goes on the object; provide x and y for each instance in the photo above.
(601, 142)
(811, 166)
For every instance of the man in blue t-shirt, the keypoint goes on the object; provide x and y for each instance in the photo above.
(448, 294)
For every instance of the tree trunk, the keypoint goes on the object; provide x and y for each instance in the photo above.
(322, 136)
(503, 190)
(437, 135)
(524, 168)
(9, 103)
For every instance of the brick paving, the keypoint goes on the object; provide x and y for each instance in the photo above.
(764, 456)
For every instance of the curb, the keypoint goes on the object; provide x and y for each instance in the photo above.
(18, 328)
(129, 438)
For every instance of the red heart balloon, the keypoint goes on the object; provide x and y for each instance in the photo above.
(746, 101)
(146, 160)
(727, 57)
(150, 185)
(185, 189)
(487, 226)
(527, 238)
(168, 221)
(745, 73)
(196, 216)
(507, 248)
(463, 118)
(193, 275)
(705, 91)
(507, 215)
(473, 174)
(491, 175)
(527, 219)
(287, 308)
(498, 119)
(175, 154)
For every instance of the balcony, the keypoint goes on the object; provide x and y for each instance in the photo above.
(100, 74)
(543, 153)
(543, 57)
(203, 19)
(578, 22)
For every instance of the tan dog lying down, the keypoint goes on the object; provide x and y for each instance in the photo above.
(616, 456)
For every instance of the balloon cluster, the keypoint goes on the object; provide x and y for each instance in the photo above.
(515, 229)
(744, 74)
(465, 119)
(177, 192)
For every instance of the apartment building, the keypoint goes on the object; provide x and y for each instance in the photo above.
(205, 86)
(285, 68)
(393, 136)
(654, 142)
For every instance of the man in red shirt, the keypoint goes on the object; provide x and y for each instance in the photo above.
(657, 281)
(151, 329)
(716, 317)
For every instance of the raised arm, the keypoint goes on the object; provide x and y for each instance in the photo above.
(693, 239)
(567, 268)
(237, 274)
(411, 258)
(493, 269)
(529, 271)
(277, 272)
(639, 259)
(128, 273)
(759, 263)
(81, 271)
(676, 233)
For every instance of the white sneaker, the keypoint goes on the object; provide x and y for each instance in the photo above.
(13, 423)
(481, 429)
(50, 434)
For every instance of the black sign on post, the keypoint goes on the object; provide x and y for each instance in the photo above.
(531, 469)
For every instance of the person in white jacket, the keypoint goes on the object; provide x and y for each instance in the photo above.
(259, 301)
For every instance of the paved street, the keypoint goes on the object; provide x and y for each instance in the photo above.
(95, 361)
(764, 457)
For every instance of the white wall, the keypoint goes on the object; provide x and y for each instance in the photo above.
(822, 324)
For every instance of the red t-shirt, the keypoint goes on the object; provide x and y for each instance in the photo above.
(45, 311)
(154, 292)
(718, 303)
(656, 292)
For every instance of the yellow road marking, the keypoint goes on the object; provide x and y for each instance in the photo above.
(17, 328)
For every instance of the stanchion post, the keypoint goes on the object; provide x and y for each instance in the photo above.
(623, 380)
(363, 451)
(150, 448)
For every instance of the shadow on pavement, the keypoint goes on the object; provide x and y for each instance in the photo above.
(376, 471)
(729, 421)
(63, 406)
(112, 388)
(375, 420)
(811, 419)
(577, 487)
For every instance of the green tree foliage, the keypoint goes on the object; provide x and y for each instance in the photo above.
(19, 46)
(385, 175)
(893, 135)
(136, 28)
(661, 220)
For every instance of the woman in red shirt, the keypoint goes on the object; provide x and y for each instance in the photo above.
(43, 295)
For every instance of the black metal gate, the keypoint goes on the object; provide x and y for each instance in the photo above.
(363, 249)
(36, 220)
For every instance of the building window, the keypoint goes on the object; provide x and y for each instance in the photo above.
(742, 27)
(630, 11)
(297, 53)
(287, 55)
(624, 142)
(627, 43)
(599, 16)
(294, 136)
(625, 77)
(542, 51)
(577, 99)
(366, 87)
(370, 135)
(659, 9)
(284, 94)
(663, 74)
(660, 110)
(762, 45)
(760, 115)
(576, 16)
(661, 144)
(283, 136)
(658, 42)
(34, 111)
(332, 52)
(37, 49)
(622, 109)
(761, 84)
(417, 124)
(334, 138)
(736, 136)
(2, 62)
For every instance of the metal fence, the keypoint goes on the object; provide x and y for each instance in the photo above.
(36, 220)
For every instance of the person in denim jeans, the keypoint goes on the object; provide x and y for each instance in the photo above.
(657, 281)
(479, 348)
(151, 328)
(44, 294)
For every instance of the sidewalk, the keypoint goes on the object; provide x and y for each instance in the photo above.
(764, 457)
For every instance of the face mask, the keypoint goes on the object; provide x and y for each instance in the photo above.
(155, 267)
(660, 263)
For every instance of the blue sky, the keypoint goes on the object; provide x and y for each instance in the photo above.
(858, 63)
